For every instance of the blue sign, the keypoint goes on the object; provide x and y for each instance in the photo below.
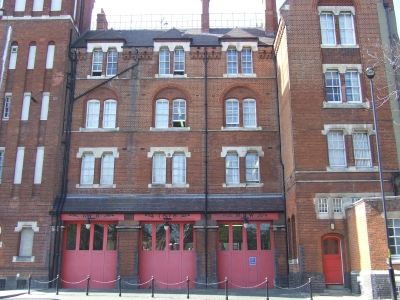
(253, 261)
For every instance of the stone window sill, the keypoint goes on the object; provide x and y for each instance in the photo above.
(23, 259)
(96, 186)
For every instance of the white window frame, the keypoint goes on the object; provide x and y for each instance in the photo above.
(26, 103)
(44, 112)
(164, 61)
(13, 57)
(26, 243)
(92, 114)
(56, 5)
(362, 150)
(328, 31)
(179, 168)
(347, 32)
(1, 162)
(232, 115)
(179, 61)
(162, 113)
(179, 113)
(97, 62)
(50, 56)
(110, 114)
(394, 236)
(232, 168)
(247, 61)
(107, 169)
(7, 107)
(159, 168)
(333, 86)
(112, 62)
(249, 113)
(337, 204)
(252, 168)
(336, 149)
(39, 165)
(87, 169)
(19, 165)
(232, 61)
(31, 57)
(20, 5)
(323, 206)
(353, 86)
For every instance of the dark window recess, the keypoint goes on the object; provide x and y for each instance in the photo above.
(21, 284)
(179, 124)
(96, 73)
(2, 284)
(179, 72)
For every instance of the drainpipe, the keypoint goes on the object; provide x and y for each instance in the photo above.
(206, 164)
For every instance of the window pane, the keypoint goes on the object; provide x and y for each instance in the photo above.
(188, 239)
(247, 62)
(237, 237)
(107, 169)
(162, 114)
(232, 113)
(251, 237)
(164, 61)
(1, 163)
(223, 233)
(174, 237)
(159, 168)
(362, 151)
(346, 29)
(112, 237)
(71, 237)
(98, 237)
(337, 205)
(179, 60)
(7, 105)
(394, 236)
(333, 88)
(112, 59)
(328, 29)
(323, 205)
(87, 173)
(92, 114)
(179, 113)
(265, 237)
(337, 151)
(97, 64)
(110, 114)
(85, 238)
(353, 91)
(147, 236)
(232, 168)
(179, 168)
(249, 113)
(161, 236)
(232, 61)
(252, 168)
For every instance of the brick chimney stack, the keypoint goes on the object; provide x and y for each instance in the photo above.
(271, 17)
(102, 23)
(205, 17)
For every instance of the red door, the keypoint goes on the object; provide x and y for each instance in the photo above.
(245, 256)
(90, 252)
(168, 255)
(333, 268)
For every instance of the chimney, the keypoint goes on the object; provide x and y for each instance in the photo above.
(205, 17)
(102, 23)
(271, 17)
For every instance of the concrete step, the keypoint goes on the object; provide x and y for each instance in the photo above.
(335, 286)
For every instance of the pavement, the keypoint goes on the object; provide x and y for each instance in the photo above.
(200, 294)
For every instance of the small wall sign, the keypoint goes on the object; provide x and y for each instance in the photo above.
(253, 261)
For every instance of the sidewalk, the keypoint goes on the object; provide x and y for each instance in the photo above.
(199, 294)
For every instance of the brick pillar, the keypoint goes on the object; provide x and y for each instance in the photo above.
(205, 17)
(271, 18)
(102, 23)
(128, 252)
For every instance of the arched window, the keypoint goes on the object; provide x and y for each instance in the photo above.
(232, 113)
(162, 113)
(179, 113)
(50, 55)
(249, 113)
(92, 114)
(110, 114)
(13, 56)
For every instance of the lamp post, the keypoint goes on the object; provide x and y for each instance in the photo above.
(370, 73)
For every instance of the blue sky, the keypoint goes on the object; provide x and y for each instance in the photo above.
(135, 7)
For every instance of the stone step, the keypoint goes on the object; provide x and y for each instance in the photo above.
(335, 286)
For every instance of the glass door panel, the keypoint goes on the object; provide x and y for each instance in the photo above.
(71, 237)
(85, 238)
(112, 237)
(237, 237)
(251, 232)
(223, 234)
(174, 237)
(98, 237)
(188, 243)
(161, 236)
(265, 237)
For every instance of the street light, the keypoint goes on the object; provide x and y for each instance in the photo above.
(370, 73)
(88, 223)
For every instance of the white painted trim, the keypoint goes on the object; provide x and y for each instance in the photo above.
(20, 5)
(39, 165)
(339, 46)
(171, 46)
(348, 129)
(170, 129)
(45, 106)
(96, 186)
(241, 128)
(336, 10)
(169, 151)
(31, 57)
(19, 165)
(239, 75)
(229, 185)
(98, 152)
(242, 151)
(75, 8)
(82, 129)
(27, 224)
(56, 5)
(50, 56)
(342, 68)
(168, 186)
(103, 46)
(240, 45)
(13, 58)
(352, 105)
(25, 107)
(2, 148)
(38, 5)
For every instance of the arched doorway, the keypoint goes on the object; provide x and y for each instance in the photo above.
(332, 258)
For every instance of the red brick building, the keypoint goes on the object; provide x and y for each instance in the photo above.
(328, 142)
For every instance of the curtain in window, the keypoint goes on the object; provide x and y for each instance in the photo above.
(337, 151)
(87, 172)
(252, 167)
(362, 151)
(232, 168)
(346, 26)
(353, 93)
(328, 29)
(159, 168)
